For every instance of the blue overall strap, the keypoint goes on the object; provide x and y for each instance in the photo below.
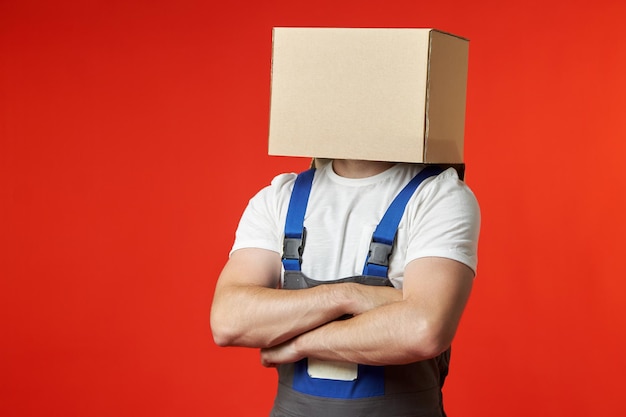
(377, 262)
(295, 234)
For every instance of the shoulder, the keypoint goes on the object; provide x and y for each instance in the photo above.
(444, 220)
(442, 198)
(283, 180)
(278, 189)
(445, 181)
(446, 186)
(260, 225)
(281, 183)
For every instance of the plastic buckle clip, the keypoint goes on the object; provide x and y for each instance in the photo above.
(294, 246)
(379, 253)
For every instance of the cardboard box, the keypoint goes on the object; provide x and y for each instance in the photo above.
(372, 94)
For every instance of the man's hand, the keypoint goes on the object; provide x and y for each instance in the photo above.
(280, 354)
(364, 298)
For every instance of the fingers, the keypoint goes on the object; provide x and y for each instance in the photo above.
(265, 361)
(276, 355)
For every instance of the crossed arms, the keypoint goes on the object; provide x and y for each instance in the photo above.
(388, 326)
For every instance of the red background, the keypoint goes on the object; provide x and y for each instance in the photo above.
(132, 134)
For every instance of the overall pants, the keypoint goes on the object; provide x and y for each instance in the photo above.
(412, 390)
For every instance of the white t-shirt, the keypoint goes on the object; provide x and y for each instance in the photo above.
(442, 219)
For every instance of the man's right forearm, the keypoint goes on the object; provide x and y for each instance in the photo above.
(254, 316)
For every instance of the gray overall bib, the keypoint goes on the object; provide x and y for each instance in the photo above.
(412, 390)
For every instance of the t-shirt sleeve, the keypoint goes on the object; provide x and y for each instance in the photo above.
(444, 221)
(261, 225)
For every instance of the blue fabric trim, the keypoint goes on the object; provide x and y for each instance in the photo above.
(375, 270)
(294, 224)
(370, 382)
(385, 232)
(291, 264)
(387, 228)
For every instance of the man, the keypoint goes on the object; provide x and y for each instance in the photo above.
(399, 334)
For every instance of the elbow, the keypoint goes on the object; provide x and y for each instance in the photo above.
(221, 337)
(224, 334)
(435, 348)
(233, 333)
(430, 343)
(227, 329)
(229, 334)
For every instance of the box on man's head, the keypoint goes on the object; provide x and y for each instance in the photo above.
(384, 94)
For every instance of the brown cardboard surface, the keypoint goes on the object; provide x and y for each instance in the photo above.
(445, 112)
(372, 94)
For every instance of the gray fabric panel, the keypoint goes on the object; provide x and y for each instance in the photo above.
(290, 403)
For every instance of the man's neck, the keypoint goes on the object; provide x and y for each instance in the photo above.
(351, 168)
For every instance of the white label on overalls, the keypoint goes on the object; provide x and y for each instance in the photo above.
(339, 371)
